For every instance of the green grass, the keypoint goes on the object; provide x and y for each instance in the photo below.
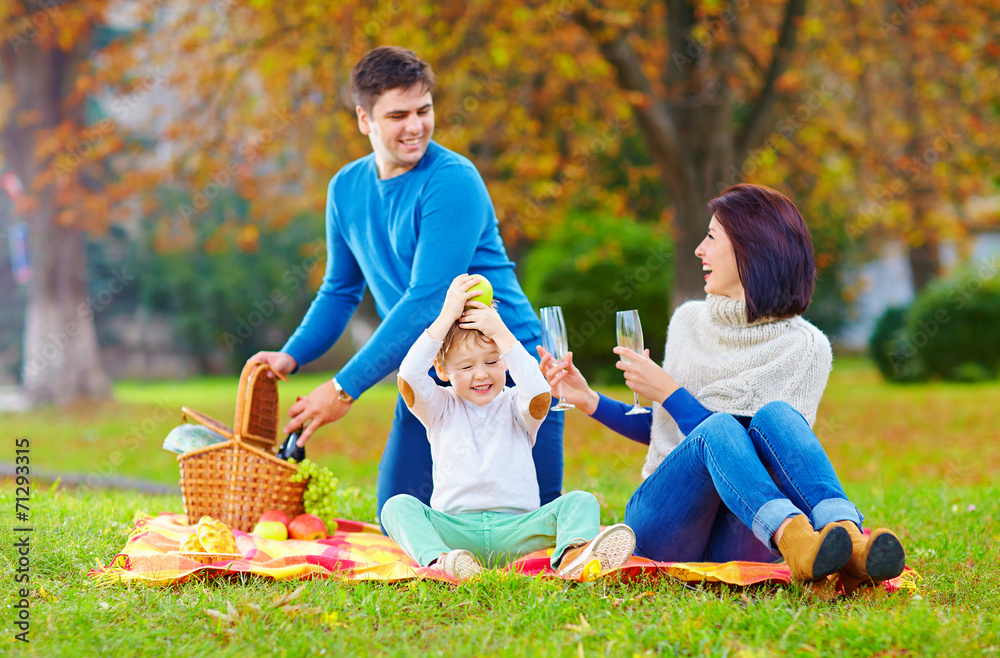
(920, 459)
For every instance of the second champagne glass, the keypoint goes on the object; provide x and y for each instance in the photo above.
(555, 342)
(629, 332)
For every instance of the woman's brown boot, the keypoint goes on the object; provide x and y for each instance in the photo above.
(814, 555)
(875, 558)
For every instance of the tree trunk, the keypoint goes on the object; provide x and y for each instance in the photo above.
(61, 358)
(691, 217)
(690, 131)
(925, 262)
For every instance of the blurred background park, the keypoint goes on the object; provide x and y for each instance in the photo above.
(164, 168)
(163, 174)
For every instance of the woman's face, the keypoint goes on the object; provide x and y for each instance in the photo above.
(719, 263)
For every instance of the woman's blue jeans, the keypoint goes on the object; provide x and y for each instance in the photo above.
(724, 490)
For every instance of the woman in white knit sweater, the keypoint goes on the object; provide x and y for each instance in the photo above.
(734, 470)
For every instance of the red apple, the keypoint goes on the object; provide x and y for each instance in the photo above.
(274, 515)
(307, 526)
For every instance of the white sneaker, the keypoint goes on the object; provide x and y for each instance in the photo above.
(613, 547)
(460, 564)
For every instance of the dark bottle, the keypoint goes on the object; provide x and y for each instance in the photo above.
(289, 449)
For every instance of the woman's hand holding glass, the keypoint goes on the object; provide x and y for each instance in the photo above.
(574, 387)
(644, 377)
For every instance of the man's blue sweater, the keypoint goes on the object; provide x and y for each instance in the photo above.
(406, 237)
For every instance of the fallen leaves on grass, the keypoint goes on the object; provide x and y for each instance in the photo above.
(290, 597)
(231, 616)
(582, 627)
(615, 602)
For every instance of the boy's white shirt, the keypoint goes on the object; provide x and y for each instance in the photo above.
(481, 454)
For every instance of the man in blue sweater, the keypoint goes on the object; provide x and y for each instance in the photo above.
(404, 220)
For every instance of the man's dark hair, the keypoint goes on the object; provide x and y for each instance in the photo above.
(773, 249)
(385, 68)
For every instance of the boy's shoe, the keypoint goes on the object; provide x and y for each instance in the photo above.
(875, 558)
(613, 546)
(814, 555)
(459, 563)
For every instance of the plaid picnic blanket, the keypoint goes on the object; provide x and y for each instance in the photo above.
(358, 551)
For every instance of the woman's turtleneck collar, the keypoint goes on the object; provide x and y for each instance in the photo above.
(731, 312)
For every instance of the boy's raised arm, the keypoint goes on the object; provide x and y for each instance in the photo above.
(419, 390)
(531, 388)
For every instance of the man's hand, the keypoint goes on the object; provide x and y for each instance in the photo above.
(488, 321)
(280, 362)
(644, 377)
(320, 407)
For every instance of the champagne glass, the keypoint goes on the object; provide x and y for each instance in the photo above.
(629, 333)
(555, 343)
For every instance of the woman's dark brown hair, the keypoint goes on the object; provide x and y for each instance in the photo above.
(385, 68)
(773, 249)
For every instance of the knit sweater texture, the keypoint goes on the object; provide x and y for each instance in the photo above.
(735, 367)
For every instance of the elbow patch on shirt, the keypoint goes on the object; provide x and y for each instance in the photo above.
(406, 390)
(539, 405)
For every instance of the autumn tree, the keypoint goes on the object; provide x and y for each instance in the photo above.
(701, 78)
(41, 113)
(923, 126)
(524, 92)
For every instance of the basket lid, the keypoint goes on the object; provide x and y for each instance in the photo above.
(257, 404)
(207, 421)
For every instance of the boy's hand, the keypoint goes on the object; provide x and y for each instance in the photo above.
(567, 382)
(488, 321)
(455, 300)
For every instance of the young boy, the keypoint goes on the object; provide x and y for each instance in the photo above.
(485, 504)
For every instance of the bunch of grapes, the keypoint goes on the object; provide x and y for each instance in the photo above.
(320, 495)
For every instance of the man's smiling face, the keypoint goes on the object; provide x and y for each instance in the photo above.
(399, 126)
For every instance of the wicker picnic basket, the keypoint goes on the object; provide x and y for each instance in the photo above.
(236, 481)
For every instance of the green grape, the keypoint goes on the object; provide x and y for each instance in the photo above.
(321, 490)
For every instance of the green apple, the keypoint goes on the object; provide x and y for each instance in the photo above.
(275, 530)
(485, 290)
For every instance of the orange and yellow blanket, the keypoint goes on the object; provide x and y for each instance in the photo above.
(358, 551)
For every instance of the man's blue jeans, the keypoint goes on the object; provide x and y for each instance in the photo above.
(724, 490)
(406, 465)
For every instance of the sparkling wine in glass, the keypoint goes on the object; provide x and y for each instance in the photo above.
(629, 333)
(555, 342)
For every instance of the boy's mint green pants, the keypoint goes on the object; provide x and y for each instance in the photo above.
(495, 538)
